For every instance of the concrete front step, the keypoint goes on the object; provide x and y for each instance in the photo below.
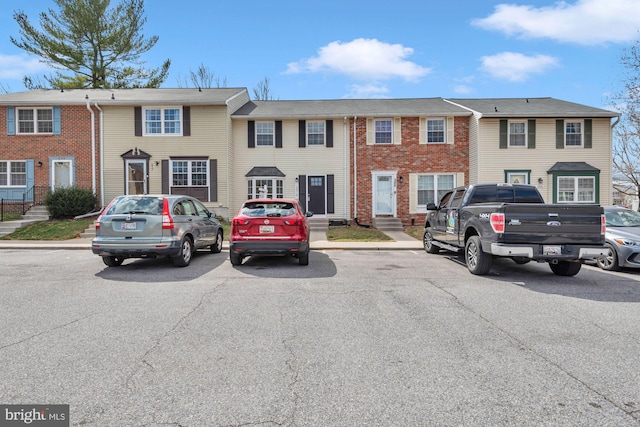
(388, 224)
(318, 224)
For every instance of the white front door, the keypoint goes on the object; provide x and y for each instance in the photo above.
(61, 174)
(384, 194)
(136, 176)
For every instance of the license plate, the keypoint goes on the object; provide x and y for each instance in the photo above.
(552, 250)
(266, 228)
(129, 225)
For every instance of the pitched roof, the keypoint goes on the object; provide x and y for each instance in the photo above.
(530, 107)
(156, 96)
(348, 108)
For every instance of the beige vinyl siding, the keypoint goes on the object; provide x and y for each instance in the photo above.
(292, 160)
(474, 138)
(494, 161)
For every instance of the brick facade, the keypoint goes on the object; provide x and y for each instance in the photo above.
(404, 159)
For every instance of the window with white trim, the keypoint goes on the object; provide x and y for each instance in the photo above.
(265, 188)
(573, 134)
(518, 134)
(576, 189)
(189, 173)
(265, 134)
(163, 121)
(436, 131)
(315, 133)
(518, 177)
(13, 173)
(432, 187)
(383, 131)
(35, 120)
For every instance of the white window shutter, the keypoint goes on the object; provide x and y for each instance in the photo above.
(371, 137)
(459, 179)
(397, 130)
(423, 131)
(450, 131)
(413, 193)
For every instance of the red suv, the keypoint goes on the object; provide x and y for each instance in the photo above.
(270, 227)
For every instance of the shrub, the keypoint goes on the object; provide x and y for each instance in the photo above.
(70, 202)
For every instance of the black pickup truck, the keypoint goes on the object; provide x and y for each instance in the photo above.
(504, 220)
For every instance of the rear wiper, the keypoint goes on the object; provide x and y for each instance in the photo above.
(274, 214)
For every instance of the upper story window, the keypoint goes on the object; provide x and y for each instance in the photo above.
(573, 134)
(383, 131)
(315, 133)
(162, 121)
(35, 120)
(436, 131)
(13, 173)
(518, 134)
(265, 134)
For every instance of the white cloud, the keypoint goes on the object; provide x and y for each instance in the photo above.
(462, 89)
(367, 91)
(583, 22)
(516, 67)
(17, 66)
(362, 59)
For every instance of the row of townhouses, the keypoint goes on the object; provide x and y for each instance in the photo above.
(354, 160)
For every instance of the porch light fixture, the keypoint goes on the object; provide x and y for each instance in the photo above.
(401, 180)
(540, 180)
(39, 164)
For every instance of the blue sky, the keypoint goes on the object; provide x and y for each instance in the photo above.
(379, 49)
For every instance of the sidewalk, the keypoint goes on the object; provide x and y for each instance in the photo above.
(318, 242)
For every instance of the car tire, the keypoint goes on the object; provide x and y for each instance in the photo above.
(609, 262)
(183, 259)
(112, 261)
(235, 258)
(566, 268)
(427, 241)
(478, 262)
(303, 258)
(216, 248)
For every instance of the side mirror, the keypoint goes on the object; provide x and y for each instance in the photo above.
(308, 214)
(432, 207)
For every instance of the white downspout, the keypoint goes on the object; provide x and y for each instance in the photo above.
(101, 154)
(355, 170)
(93, 147)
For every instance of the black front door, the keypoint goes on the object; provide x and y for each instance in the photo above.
(317, 195)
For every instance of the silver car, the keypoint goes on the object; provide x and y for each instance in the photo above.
(149, 226)
(622, 237)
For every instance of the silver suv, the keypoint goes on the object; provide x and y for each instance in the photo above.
(149, 226)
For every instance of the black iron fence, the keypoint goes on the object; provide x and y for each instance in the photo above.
(12, 209)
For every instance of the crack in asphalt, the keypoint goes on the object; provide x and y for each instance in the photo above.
(635, 414)
(48, 331)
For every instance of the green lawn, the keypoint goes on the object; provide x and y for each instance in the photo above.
(63, 229)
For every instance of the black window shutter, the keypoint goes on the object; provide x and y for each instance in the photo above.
(302, 191)
(186, 121)
(588, 133)
(165, 177)
(531, 138)
(251, 134)
(559, 133)
(504, 126)
(137, 120)
(213, 180)
(278, 134)
(302, 133)
(330, 195)
(329, 127)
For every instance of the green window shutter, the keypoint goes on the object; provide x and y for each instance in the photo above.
(531, 138)
(588, 133)
(56, 120)
(504, 129)
(559, 133)
(11, 120)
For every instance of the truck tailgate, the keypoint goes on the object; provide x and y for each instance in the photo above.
(553, 224)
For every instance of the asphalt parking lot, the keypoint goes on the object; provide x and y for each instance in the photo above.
(366, 337)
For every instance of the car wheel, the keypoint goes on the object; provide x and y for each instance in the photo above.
(478, 262)
(112, 261)
(235, 258)
(183, 259)
(427, 241)
(217, 246)
(609, 262)
(566, 268)
(303, 258)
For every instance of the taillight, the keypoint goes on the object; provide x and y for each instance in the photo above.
(104, 211)
(497, 222)
(167, 220)
(238, 221)
(296, 221)
(603, 224)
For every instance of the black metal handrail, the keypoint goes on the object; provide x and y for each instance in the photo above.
(12, 209)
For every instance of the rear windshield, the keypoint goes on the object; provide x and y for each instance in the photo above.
(268, 209)
(492, 194)
(137, 205)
